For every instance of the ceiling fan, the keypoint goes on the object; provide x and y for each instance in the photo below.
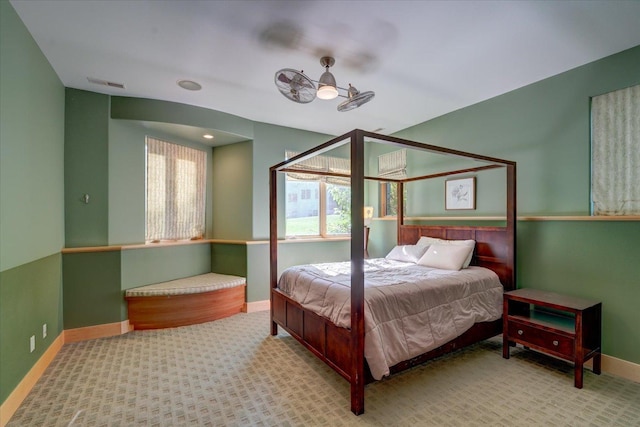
(297, 87)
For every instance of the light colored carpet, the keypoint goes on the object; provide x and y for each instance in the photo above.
(231, 372)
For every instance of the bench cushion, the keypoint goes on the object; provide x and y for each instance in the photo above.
(188, 285)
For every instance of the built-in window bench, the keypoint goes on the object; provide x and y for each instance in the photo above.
(186, 301)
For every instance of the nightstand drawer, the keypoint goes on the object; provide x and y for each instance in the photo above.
(552, 341)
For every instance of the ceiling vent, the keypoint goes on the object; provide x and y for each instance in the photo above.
(105, 83)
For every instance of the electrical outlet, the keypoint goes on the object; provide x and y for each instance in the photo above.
(32, 343)
(44, 330)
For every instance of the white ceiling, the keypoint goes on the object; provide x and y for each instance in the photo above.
(422, 58)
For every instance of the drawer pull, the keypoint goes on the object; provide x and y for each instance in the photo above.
(555, 342)
(520, 332)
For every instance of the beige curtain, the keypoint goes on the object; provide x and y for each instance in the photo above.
(393, 165)
(176, 191)
(615, 120)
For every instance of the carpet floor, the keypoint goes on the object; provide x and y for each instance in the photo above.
(231, 372)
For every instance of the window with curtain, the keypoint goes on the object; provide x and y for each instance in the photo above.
(318, 205)
(176, 191)
(615, 152)
(391, 165)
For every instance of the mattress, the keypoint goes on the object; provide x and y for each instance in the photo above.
(409, 309)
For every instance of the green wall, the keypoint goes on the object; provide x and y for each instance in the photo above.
(94, 282)
(31, 200)
(31, 148)
(232, 198)
(90, 143)
(153, 110)
(126, 178)
(92, 294)
(289, 254)
(591, 259)
(595, 260)
(86, 167)
(544, 127)
(269, 146)
(30, 295)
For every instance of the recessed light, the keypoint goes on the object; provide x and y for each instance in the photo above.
(207, 136)
(189, 85)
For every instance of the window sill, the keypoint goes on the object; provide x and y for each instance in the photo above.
(314, 239)
(162, 244)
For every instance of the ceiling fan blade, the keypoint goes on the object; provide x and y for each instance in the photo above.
(283, 78)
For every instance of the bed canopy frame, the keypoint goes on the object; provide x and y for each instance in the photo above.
(343, 349)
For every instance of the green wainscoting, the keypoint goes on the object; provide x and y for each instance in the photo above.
(30, 296)
(145, 266)
(92, 293)
(153, 265)
(229, 258)
(591, 259)
(289, 253)
(94, 282)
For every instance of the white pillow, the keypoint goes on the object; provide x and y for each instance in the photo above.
(407, 253)
(426, 241)
(445, 257)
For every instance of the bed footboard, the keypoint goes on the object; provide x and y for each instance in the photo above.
(332, 344)
(327, 341)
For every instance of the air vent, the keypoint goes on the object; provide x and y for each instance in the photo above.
(105, 83)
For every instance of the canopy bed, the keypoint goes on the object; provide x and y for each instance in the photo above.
(335, 332)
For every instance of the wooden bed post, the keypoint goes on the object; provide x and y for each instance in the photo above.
(512, 220)
(399, 206)
(273, 242)
(357, 272)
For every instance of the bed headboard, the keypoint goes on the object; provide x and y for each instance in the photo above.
(493, 248)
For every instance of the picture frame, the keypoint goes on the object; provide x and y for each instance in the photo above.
(460, 194)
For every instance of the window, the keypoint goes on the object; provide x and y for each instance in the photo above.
(176, 186)
(615, 152)
(328, 213)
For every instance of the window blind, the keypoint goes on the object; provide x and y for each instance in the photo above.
(320, 164)
(615, 152)
(176, 191)
(393, 165)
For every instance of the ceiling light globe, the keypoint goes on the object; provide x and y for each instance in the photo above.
(327, 92)
(327, 86)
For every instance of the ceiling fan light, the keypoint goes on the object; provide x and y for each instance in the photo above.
(327, 92)
(327, 86)
(297, 87)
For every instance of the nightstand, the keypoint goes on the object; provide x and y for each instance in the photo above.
(559, 325)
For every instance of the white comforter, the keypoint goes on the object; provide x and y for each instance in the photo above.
(409, 309)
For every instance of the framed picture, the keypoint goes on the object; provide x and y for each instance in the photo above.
(460, 194)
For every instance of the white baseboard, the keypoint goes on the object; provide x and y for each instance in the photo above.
(250, 307)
